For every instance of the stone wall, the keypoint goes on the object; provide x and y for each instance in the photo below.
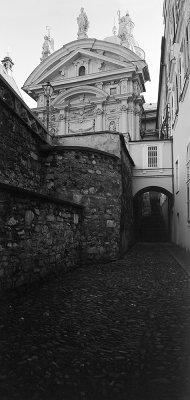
(43, 190)
(93, 179)
(127, 225)
(21, 135)
(38, 235)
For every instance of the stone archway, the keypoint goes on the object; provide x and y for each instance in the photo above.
(152, 214)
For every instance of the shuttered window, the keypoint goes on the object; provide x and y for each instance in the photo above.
(152, 157)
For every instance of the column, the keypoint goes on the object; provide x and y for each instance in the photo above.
(99, 118)
(130, 118)
(62, 122)
(124, 127)
(137, 121)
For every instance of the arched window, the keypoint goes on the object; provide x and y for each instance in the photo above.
(188, 182)
(82, 70)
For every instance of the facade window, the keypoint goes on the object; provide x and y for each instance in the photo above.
(188, 182)
(152, 156)
(82, 70)
(113, 91)
(177, 175)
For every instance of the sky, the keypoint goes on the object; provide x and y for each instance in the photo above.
(23, 26)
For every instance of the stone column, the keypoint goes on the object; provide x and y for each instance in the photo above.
(124, 85)
(124, 127)
(131, 118)
(99, 118)
(62, 122)
(137, 119)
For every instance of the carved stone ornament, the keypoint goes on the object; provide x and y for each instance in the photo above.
(99, 111)
(62, 117)
(124, 108)
(112, 126)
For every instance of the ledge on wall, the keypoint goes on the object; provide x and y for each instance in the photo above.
(30, 193)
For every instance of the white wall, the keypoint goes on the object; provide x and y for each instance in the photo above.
(181, 138)
(142, 175)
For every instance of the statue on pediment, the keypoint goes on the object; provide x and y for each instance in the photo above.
(83, 24)
(48, 45)
(126, 26)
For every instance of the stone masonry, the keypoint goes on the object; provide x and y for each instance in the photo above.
(59, 206)
(93, 179)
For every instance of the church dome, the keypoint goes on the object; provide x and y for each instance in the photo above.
(113, 39)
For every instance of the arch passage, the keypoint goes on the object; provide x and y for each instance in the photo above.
(152, 210)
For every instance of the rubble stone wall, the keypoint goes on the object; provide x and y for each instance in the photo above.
(38, 235)
(93, 179)
(19, 153)
(127, 225)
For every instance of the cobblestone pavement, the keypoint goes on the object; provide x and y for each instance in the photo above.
(118, 331)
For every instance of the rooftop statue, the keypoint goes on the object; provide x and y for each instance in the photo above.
(126, 26)
(48, 45)
(83, 24)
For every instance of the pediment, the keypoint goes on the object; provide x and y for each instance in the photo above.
(99, 53)
(58, 71)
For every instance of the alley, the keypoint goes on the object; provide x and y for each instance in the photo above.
(115, 331)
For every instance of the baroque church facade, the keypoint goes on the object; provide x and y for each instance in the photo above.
(97, 96)
(97, 84)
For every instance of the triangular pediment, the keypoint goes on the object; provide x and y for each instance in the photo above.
(56, 72)
(100, 56)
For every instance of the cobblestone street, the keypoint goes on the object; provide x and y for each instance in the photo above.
(115, 331)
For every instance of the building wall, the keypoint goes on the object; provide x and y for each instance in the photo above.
(181, 223)
(145, 176)
(173, 108)
(105, 141)
(93, 179)
(38, 236)
(127, 223)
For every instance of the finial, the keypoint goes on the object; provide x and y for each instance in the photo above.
(48, 29)
(114, 30)
(83, 24)
(48, 45)
(8, 64)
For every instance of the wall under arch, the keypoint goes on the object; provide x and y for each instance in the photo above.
(163, 182)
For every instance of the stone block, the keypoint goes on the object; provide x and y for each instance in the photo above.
(29, 216)
(110, 223)
(50, 218)
(12, 221)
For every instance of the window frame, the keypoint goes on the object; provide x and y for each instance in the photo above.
(152, 159)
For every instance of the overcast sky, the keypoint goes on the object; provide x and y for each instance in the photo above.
(23, 26)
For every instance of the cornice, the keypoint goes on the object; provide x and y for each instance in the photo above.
(90, 79)
(84, 45)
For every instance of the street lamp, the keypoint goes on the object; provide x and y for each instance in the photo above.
(48, 91)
